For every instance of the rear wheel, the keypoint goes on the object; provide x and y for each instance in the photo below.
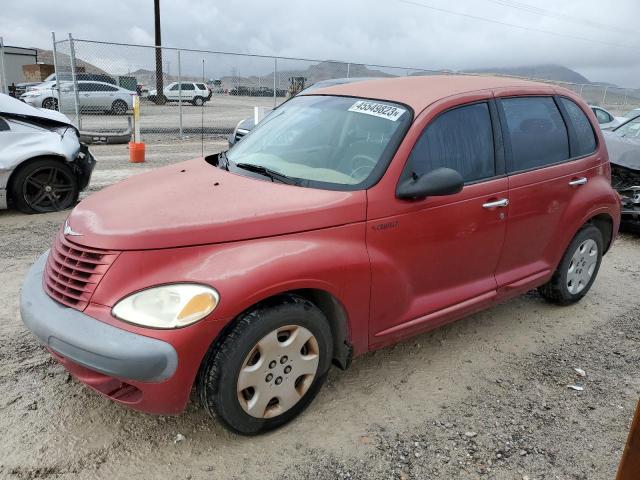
(119, 107)
(198, 101)
(577, 270)
(44, 185)
(50, 103)
(268, 368)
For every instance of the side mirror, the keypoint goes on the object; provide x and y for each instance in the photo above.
(439, 182)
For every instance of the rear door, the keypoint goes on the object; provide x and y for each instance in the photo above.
(549, 146)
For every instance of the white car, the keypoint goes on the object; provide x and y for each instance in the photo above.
(92, 96)
(192, 92)
(606, 120)
(43, 165)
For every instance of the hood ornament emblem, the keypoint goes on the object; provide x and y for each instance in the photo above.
(69, 231)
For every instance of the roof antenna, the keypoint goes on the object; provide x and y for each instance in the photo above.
(202, 118)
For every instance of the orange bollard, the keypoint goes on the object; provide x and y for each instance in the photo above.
(136, 152)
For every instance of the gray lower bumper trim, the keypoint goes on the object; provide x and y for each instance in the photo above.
(90, 342)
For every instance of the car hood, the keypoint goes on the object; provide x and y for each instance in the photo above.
(623, 151)
(195, 203)
(15, 108)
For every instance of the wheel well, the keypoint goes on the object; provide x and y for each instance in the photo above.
(9, 187)
(328, 304)
(604, 223)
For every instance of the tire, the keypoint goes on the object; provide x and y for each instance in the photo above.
(44, 185)
(235, 358)
(578, 268)
(50, 103)
(198, 101)
(119, 107)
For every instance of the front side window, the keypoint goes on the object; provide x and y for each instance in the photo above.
(461, 139)
(585, 138)
(325, 141)
(536, 131)
(630, 129)
(175, 87)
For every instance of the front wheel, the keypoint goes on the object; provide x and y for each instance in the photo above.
(119, 107)
(44, 185)
(50, 103)
(268, 368)
(578, 268)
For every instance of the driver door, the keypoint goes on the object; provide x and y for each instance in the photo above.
(433, 259)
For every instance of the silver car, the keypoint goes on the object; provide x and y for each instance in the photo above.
(43, 165)
(623, 145)
(605, 118)
(92, 96)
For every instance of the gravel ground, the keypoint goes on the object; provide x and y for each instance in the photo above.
(484, 397)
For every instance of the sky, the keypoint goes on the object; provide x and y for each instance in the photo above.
(593, 37)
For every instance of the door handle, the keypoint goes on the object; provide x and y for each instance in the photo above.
(578, 181)
(501, 203)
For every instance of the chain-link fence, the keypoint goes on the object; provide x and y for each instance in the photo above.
(188, 93)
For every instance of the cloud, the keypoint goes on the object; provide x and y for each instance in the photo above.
(387, 32)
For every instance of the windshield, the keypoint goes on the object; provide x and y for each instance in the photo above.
(630, 129)
(325, 141)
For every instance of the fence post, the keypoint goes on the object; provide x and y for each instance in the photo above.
(604, 95)
(72, 51)
(275, 88)
(348, 69)
(3, 72)
(55, 69)
(180, 92)
(581, 87)
(624, 101)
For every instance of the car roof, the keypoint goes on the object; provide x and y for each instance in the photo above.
(418, 92)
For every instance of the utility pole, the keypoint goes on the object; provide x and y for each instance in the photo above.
(160, 99)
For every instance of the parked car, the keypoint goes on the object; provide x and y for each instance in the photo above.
(623, 144)
(43, 165)
(606, 120)
(92, 96)
(192, 92)
(246, 125)
(358, 215)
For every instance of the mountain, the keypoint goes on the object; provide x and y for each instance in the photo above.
(540, 72)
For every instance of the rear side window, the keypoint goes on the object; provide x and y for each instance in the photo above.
(201, 86)
(537, 133)
(585, 141)
(602, 116)
(188, 86)
(461, 139)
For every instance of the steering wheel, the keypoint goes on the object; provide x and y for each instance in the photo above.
(361, 166)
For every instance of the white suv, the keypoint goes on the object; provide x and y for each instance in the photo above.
(195, 93)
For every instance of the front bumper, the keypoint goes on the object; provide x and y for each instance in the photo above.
(89, 342)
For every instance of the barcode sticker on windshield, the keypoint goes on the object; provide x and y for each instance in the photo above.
(381, 110)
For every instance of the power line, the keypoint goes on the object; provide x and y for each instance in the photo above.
(513, 25)
(525, 7)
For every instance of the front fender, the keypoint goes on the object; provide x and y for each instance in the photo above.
(334, 260)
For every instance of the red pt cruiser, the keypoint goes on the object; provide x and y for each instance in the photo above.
(351, 218)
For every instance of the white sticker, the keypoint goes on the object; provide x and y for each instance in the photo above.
(381, 110)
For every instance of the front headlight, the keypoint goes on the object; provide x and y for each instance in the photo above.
(167, 306)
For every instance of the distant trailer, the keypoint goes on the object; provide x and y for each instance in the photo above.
(14, 59)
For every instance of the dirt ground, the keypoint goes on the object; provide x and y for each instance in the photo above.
(485, 397)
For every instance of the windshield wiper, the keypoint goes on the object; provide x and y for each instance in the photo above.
(267, 172)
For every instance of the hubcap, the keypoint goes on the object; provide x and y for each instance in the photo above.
(582, 266)
(278, 371)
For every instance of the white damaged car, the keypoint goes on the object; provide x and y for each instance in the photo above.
(43, 165)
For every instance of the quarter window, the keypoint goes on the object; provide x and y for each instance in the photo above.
(585, 139)
(537, 133)
(602, 116)
(4, 126)
(461, 139)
